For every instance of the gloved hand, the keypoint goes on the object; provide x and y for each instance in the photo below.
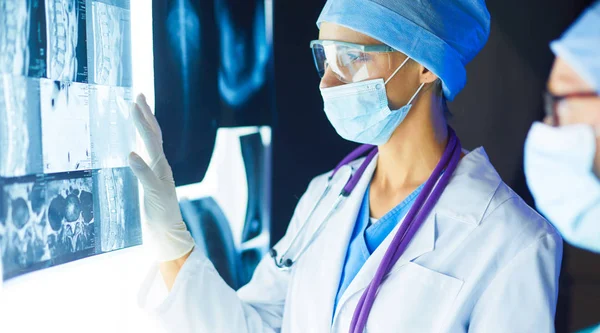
(169, 235)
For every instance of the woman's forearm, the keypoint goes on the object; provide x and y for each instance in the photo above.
(170, 269)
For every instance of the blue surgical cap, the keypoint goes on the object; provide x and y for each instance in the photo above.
(580, 46)
(442, 35)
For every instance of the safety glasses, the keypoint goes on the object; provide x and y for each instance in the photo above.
(353, 62)
(551, 102)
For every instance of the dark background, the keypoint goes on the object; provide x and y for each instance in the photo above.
(496, 109)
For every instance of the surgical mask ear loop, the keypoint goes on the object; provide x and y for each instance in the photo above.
(415, 95)
(396, 72)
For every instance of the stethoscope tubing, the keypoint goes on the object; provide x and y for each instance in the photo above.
(414, 219)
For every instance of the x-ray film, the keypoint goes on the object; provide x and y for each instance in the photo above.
(66, 45)
(65, 126)
(118, 209)
(46, 220)
(23, 37)
(109, 43)
(20, 127)
(66, 191)
(214, 53)
(112, 131)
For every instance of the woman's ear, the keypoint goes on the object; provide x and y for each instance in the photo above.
(427, 76)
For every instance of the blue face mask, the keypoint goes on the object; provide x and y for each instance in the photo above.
(559, 169)
(359, 112)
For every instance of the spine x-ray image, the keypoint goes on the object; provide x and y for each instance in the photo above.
(117, 207)
(20, 127)
(109, 43)
(66, 47)
(112, 128)
(23, 37)
(66, 191)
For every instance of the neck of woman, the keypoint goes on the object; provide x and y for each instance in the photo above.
(417, 145)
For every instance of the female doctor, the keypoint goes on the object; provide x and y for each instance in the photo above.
(419, 236)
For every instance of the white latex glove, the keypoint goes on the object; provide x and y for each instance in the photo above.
(169, 236)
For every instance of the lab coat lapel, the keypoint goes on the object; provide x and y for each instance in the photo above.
(329, 252)
(457, 204)
(422, 243)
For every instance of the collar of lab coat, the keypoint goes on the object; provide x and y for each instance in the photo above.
(465, 199)
(468, 193)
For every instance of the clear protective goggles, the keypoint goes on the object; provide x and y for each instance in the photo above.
(354, 62)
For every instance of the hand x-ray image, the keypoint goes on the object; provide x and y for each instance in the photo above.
(20, 127)
(213, 68)
(109, 43)
(23, 37)
(65, 126)
(66, 47)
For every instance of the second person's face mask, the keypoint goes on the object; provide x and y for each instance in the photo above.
(359, 112)
(559, 164)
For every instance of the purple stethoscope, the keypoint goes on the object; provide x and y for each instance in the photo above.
(426, 200)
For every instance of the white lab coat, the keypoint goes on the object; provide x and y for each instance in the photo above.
(483, 261)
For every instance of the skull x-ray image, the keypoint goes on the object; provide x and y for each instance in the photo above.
(20, 126)
(66, 191)
(23, 37)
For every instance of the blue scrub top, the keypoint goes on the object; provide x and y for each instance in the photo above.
(366, 237)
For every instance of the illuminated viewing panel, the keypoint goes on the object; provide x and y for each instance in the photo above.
(66, 86)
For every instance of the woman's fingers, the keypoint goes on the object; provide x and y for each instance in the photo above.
(147, 111)
(142, 171)
(151, 139)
